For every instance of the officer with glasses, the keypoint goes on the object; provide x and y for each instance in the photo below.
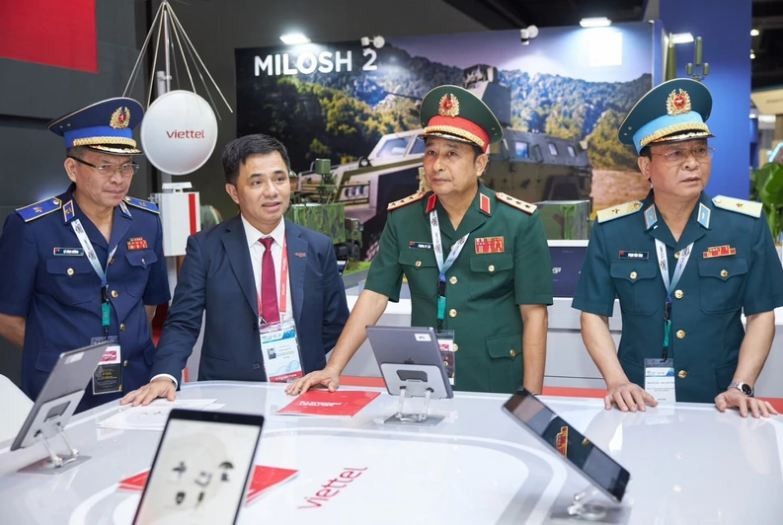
(87, 265)
(684, 267)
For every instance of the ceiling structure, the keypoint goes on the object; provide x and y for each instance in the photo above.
(767, 66)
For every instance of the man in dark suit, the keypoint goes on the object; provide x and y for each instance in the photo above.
(253, 302)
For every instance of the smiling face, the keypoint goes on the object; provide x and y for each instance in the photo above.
(99, 189)
(452, 168)
(262, 190)
(678, 171)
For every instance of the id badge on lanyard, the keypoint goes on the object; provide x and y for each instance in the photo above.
(443, 266)
(280, 351)
(279, 344)
(107, 377)
(659, 373)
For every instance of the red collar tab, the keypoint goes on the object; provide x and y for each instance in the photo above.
(432, 200)
(485, 205)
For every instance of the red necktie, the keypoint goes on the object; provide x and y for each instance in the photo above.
(269, 311)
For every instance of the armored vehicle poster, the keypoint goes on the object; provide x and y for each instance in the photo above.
(560, 99)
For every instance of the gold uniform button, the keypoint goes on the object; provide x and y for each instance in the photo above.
(491, 268)
(122, 327)
(676, 255)
(679, 294)
(417, 264)
(125, 363)
(633, 276)
(724, 273)
(452, 313)
(512, 353)
(115, 294)
(455, 347)
(70, 272)
(682, 374)
(680, 334)
(453, 279)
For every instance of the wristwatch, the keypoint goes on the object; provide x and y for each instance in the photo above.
(742, 387)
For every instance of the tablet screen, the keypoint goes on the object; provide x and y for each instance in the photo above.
(201, 468)
(595, 464)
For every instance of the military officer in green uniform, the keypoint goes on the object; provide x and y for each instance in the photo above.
(476, 261)
(684, 267)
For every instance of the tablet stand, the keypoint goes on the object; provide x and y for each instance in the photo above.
(409, 381)
(412, 417)
(49, 423)
(591, 505)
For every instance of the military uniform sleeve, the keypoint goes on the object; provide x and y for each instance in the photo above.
(385, 275)
(532, 264)
(18, 261)
(595, 289)
(764, 288)
(157, 289)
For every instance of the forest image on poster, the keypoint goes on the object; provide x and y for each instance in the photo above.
(568, 89)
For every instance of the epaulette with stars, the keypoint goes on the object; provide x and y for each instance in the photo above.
(410, 199)
(516, 203)
(750, 208)
(621, 210)
(142, 204)
(38, 209)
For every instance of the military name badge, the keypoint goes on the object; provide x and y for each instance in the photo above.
(419, 245)
(137, 243)
(724, 250)
(485, 245)
(633, 255)
(67, 252)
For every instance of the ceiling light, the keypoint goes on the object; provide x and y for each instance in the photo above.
(596, 21)
(294, 39)
(682, 38)
(755, 32)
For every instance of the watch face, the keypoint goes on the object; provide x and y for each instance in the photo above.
(746, 389)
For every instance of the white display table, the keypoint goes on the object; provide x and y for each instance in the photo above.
(689, 464)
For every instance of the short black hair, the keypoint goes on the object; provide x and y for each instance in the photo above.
(645, 152)
(236, 152)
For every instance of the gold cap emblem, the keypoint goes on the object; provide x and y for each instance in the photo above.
(120, 118)
(448, 106)
(678, 102)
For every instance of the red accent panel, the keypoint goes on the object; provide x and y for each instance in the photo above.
(192, 211)
(573, 392)
(60, 34)
(362, 381)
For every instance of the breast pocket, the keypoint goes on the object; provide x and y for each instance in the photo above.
(637, 286)
(421, 270)
(722, 283)
(140, 263)
(72, 280)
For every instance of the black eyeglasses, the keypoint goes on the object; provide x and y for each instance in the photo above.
(680, 155)
(126, 170)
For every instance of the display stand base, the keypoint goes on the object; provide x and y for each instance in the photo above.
(590, 506)
(422, 416)
(56, 463)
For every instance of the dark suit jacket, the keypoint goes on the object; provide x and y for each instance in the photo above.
(217, 276)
